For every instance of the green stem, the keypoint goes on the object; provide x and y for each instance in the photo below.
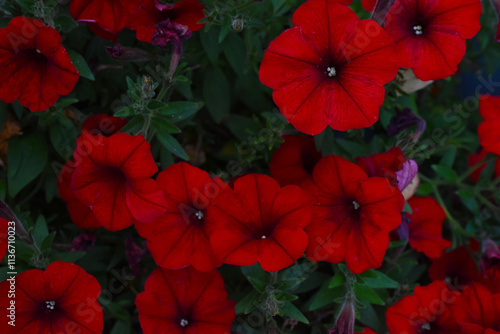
(454, 223)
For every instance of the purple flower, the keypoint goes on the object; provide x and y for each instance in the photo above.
(406, 174)
(83, 242)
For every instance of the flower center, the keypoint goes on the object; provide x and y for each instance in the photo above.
(38, 51)
(425, 327)
(199, 214)
(331, 71)
(418, 30)
(184, 323)
(50, 305)
(356, 205)
(263, 237)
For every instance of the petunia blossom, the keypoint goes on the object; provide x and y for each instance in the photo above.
(106, 18)
(61, 299)
(293, 162)
(80, 213)
(36, 68)
(260, 222)
(330, 69)
(180, 237)
(477, 310)
(457, 268)
(352, 216)
(152, 13)
(489, 136)
(185, 301)
(112, 176)
(430, 35)
(428, 309)
(426, 225)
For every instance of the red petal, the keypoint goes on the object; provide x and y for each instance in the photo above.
(145, 200)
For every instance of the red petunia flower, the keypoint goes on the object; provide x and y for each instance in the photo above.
(293, 162)
(152, 12)
(104, 125)
(259, 221)
(180, 237)
(185, 302)
(4, 244)
(430, 35)
(80, 213)
(475, 158)
(477, 310)
(106, 18)
(329, 69)
(61, 299)
(427, 310)
(352, 215)
(426, 225)
(489, 136)
(457, 268)
(36, 68)
(113, 177)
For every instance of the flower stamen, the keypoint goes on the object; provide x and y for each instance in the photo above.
(184, 323)
(199, 214)
(356, 205)
(331, 71)
(50, 304)
(418, 30)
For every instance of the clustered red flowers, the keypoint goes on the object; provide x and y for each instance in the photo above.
(439, 309)
(329, 70)
(61, 299)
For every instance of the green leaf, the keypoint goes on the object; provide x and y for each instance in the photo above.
(47, 242)
(63, 103)
(248, 303)
(134, 125)
(446, 173)
(225, 28)
(27, 4)
(162, 125)
(235, 51)
(377, 280)
(257, 283)
(65, 23)
(326, 296)
(81, 64)
(27, 158)
(285, 297)
(40, 232)
(121, 327)
(365, 293)
(217, 94)
(289, 310)
(172, 145)
(257, 272)
(209, 40)
(179, 108)
(337, 280)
